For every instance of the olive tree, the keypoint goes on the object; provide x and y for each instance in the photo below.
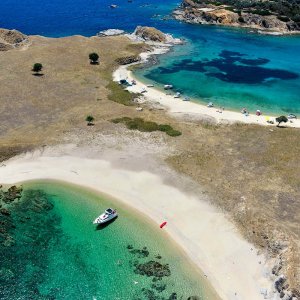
(281, 119)
(94, 57)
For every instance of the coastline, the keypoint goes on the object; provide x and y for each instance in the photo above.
(191, 110)
(231, 264)
(85, 204)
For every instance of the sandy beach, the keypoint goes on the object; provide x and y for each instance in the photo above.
(231, 264)
(190, 109)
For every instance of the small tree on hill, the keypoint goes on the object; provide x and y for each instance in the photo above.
(37, 68)
(94, 57)
(281, 119)
(89, 120)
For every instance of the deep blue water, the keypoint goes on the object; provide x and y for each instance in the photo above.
(231, 67)
(58, 18)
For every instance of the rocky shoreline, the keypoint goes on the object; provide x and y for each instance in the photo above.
(12, 39)
(210, 14)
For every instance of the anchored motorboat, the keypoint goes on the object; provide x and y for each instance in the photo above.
(108, 215)
(168, 86)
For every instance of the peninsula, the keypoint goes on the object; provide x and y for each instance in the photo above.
(273, 17)
(229, 190)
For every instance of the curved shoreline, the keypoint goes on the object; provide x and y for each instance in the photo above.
(128, 213)
(232, 265)
(188, 109)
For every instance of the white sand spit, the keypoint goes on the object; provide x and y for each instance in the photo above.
(230, 263)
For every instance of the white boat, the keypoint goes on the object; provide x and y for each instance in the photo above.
(168, 86)
(177, 95)
(113, 6)
(186, 99)
(210, 104)
(108, 215)
(150, 85)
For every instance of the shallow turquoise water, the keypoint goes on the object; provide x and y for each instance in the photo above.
(233, 69)
(59, 254)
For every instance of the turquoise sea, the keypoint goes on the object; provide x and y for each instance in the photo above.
(51, 250)
(231, 67)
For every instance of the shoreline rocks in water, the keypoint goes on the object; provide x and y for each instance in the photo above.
(11, 39)
(13, 193)
(153, 269)
(153, 35)
(208, 13)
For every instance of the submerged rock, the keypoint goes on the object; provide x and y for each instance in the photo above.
(12, 194)
(173, 296)
(160, 287)
(141, 253)
(153, 268)
(5, 212)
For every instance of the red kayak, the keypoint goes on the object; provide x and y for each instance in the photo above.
(163, 224)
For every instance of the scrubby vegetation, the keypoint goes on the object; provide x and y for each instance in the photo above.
(119, 95)
(286, 10)
(146, 126)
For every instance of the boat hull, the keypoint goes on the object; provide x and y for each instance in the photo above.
(103, 221)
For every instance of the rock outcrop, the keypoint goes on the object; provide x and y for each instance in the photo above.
(128, 60)
(11, 39)
(192, 12)
(150, 34)
(153, 35)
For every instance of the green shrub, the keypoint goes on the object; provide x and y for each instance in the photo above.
(261, 12)
(173, 132)
(164, 127)
(94, 57)
(89, 119)
(146, 126)
(121, 120)
(241, 20)
(283, 18)
(119, 95)
(37, 67)
(132, 125)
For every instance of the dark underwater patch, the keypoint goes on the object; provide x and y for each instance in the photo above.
(30, 232)
(233, 67)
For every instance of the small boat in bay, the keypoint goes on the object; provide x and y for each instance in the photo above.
(168, 86)
(113, 6)
(108, 215)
